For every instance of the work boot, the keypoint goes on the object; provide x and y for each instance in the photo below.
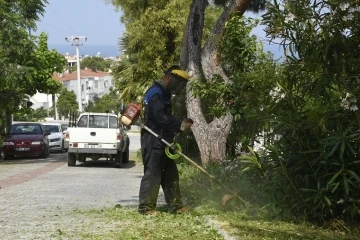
(181, 210)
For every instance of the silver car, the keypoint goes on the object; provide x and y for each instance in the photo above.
(56, 137)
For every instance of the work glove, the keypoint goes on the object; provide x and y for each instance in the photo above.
(186, 123)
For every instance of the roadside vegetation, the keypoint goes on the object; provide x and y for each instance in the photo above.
(26, 63)
(96, 63)
(264, 218)
(284, 133)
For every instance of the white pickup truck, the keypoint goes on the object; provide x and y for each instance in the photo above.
(97, 135)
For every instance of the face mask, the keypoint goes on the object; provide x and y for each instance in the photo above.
(175, 85)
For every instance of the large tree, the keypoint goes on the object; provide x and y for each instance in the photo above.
(26, 64)
(109, 102)
(96, 63)
(148, 49)
(203, 64)
(318, 117)
(66, 103)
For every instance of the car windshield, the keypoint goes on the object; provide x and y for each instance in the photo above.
(96, 121)
(52, 128)
(64, 126)
(25, 129)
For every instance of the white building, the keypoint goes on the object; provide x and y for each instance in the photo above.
(41, 100)
(93, 83)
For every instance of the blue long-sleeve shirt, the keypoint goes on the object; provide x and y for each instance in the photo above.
(158, 112)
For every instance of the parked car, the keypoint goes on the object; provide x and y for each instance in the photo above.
(26, 139)
(64, 126)
(56, 137)
(97, 135)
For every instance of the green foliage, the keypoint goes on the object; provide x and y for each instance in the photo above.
(66, 103)
(45, 63)
(239, 49)
(311, 152)
(253, 74)
(31, 115)
(264, 218)
(109, 102)
(132, 10)
(254, 5)
(98, 63)
(149, 48)
(26, 64)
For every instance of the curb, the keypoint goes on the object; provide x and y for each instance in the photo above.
(218, 228)
(133, 133)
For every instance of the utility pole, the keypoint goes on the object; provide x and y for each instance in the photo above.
(286, 53)
(77, 41)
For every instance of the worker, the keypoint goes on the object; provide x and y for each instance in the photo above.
(160, 170)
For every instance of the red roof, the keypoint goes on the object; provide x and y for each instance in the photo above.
(84, 73)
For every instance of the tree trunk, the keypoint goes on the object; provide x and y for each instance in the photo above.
(210, 137)
(8, 119)
(53, 104)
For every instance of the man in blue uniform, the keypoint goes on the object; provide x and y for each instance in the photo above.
(159, 170)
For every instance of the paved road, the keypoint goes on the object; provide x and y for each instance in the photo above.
(35, 190)
(134, 141)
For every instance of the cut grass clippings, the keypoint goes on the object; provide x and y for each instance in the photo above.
(252, 222)
(127, 223)
(240, 222)
(243, 227)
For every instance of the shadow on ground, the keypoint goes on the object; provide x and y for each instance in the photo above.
(105, 164)
(53, 157)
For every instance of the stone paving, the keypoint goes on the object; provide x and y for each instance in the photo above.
(37, 196)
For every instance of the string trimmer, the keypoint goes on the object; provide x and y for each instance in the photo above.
(131, 116)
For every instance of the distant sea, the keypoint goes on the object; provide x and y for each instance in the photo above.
(87, 49)
(114, 50)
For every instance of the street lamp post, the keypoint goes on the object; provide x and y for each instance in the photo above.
(77, 41)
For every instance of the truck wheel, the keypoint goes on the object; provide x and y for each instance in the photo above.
(118, 160)
(82, 158)
(71, 159)
(125, 156)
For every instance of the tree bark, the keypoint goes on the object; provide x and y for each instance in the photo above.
(204, 64)
(210, 58)
(53, 99)
(8, 119)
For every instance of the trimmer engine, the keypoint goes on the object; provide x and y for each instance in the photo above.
(131, 114)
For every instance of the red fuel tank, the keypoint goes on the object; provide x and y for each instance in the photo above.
(131, 114)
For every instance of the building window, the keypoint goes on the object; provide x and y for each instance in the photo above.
(82, 87)
(96, 84)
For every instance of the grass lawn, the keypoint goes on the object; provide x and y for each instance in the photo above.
(239, 222)
(127, 223)
(243, 227)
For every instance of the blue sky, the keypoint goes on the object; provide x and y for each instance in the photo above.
(96, 20)
(92, 18)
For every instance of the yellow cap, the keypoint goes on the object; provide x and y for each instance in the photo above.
(181, 74)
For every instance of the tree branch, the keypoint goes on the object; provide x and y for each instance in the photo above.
(210, 58)
(191, 54)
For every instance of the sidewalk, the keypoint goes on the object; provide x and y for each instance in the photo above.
(134, 129)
